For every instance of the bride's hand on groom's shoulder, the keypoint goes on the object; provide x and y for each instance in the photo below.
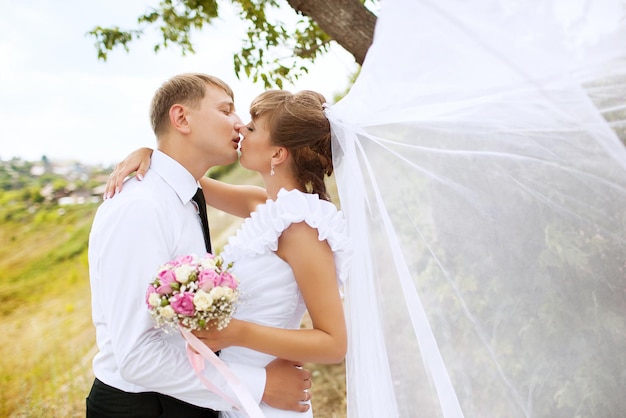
(138, 161)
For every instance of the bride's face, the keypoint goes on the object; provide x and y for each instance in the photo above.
(256, 148)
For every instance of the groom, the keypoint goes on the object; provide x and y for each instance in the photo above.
(142, 371)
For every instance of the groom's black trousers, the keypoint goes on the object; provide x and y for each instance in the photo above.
(105, 401)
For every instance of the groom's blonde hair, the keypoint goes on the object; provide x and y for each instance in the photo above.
(186, 89)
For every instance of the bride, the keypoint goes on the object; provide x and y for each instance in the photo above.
(480, 169)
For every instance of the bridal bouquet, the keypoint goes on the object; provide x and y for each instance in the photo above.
(192, 291)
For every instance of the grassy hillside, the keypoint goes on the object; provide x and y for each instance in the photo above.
(45, 308)
(48, 339)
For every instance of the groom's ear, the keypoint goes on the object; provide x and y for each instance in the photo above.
(178, 118)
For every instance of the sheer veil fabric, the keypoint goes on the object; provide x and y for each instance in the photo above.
(480, 165)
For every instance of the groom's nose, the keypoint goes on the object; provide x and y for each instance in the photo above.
(238, 123)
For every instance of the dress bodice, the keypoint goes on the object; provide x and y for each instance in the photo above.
(269, 291)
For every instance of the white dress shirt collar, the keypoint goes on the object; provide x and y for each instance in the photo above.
(175, 175)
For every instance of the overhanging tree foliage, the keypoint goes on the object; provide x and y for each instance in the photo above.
(273, 50)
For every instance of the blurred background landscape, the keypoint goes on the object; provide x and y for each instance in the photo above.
(76, 82)
(46, 210)
(66, 114)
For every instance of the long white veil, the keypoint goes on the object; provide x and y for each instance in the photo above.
(479, 164)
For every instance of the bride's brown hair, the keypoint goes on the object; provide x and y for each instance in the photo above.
(298, 123)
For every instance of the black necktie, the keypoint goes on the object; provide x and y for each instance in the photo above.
(199, 199)
(201, 202)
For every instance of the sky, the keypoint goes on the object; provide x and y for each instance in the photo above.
(57, 99)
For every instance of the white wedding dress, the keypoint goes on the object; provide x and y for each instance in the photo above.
(482, 176)
(269, 292)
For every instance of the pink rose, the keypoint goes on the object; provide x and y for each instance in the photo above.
(228, 280)
(208, 279)
(182, 303)
(150, 290)
(166, 279)
(184, 259)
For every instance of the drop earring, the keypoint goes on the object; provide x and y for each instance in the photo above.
(272, 170)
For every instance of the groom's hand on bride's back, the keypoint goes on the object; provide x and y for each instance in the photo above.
(287, 385)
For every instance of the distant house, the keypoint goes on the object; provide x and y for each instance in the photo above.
(99, 190)
(78, 199)
(37, 170)
(47, 191)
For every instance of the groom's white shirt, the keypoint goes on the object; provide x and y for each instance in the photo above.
(133, 234)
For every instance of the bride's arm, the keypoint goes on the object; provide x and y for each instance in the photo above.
(313, 264)
(238, 200)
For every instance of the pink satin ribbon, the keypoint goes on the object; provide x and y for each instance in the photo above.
(246, 403)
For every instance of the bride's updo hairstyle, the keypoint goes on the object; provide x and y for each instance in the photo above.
(297, 122)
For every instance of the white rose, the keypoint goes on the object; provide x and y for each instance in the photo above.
(202, 300)
(222, 292)
(154, 300)
(217, 292)
(229, 294)
(183, 272)
(208, 263)
(167, 312)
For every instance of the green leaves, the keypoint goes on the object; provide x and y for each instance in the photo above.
(273, 51)
(175, 20)
(109, 38)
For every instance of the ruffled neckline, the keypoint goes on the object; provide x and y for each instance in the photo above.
(260, 232)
